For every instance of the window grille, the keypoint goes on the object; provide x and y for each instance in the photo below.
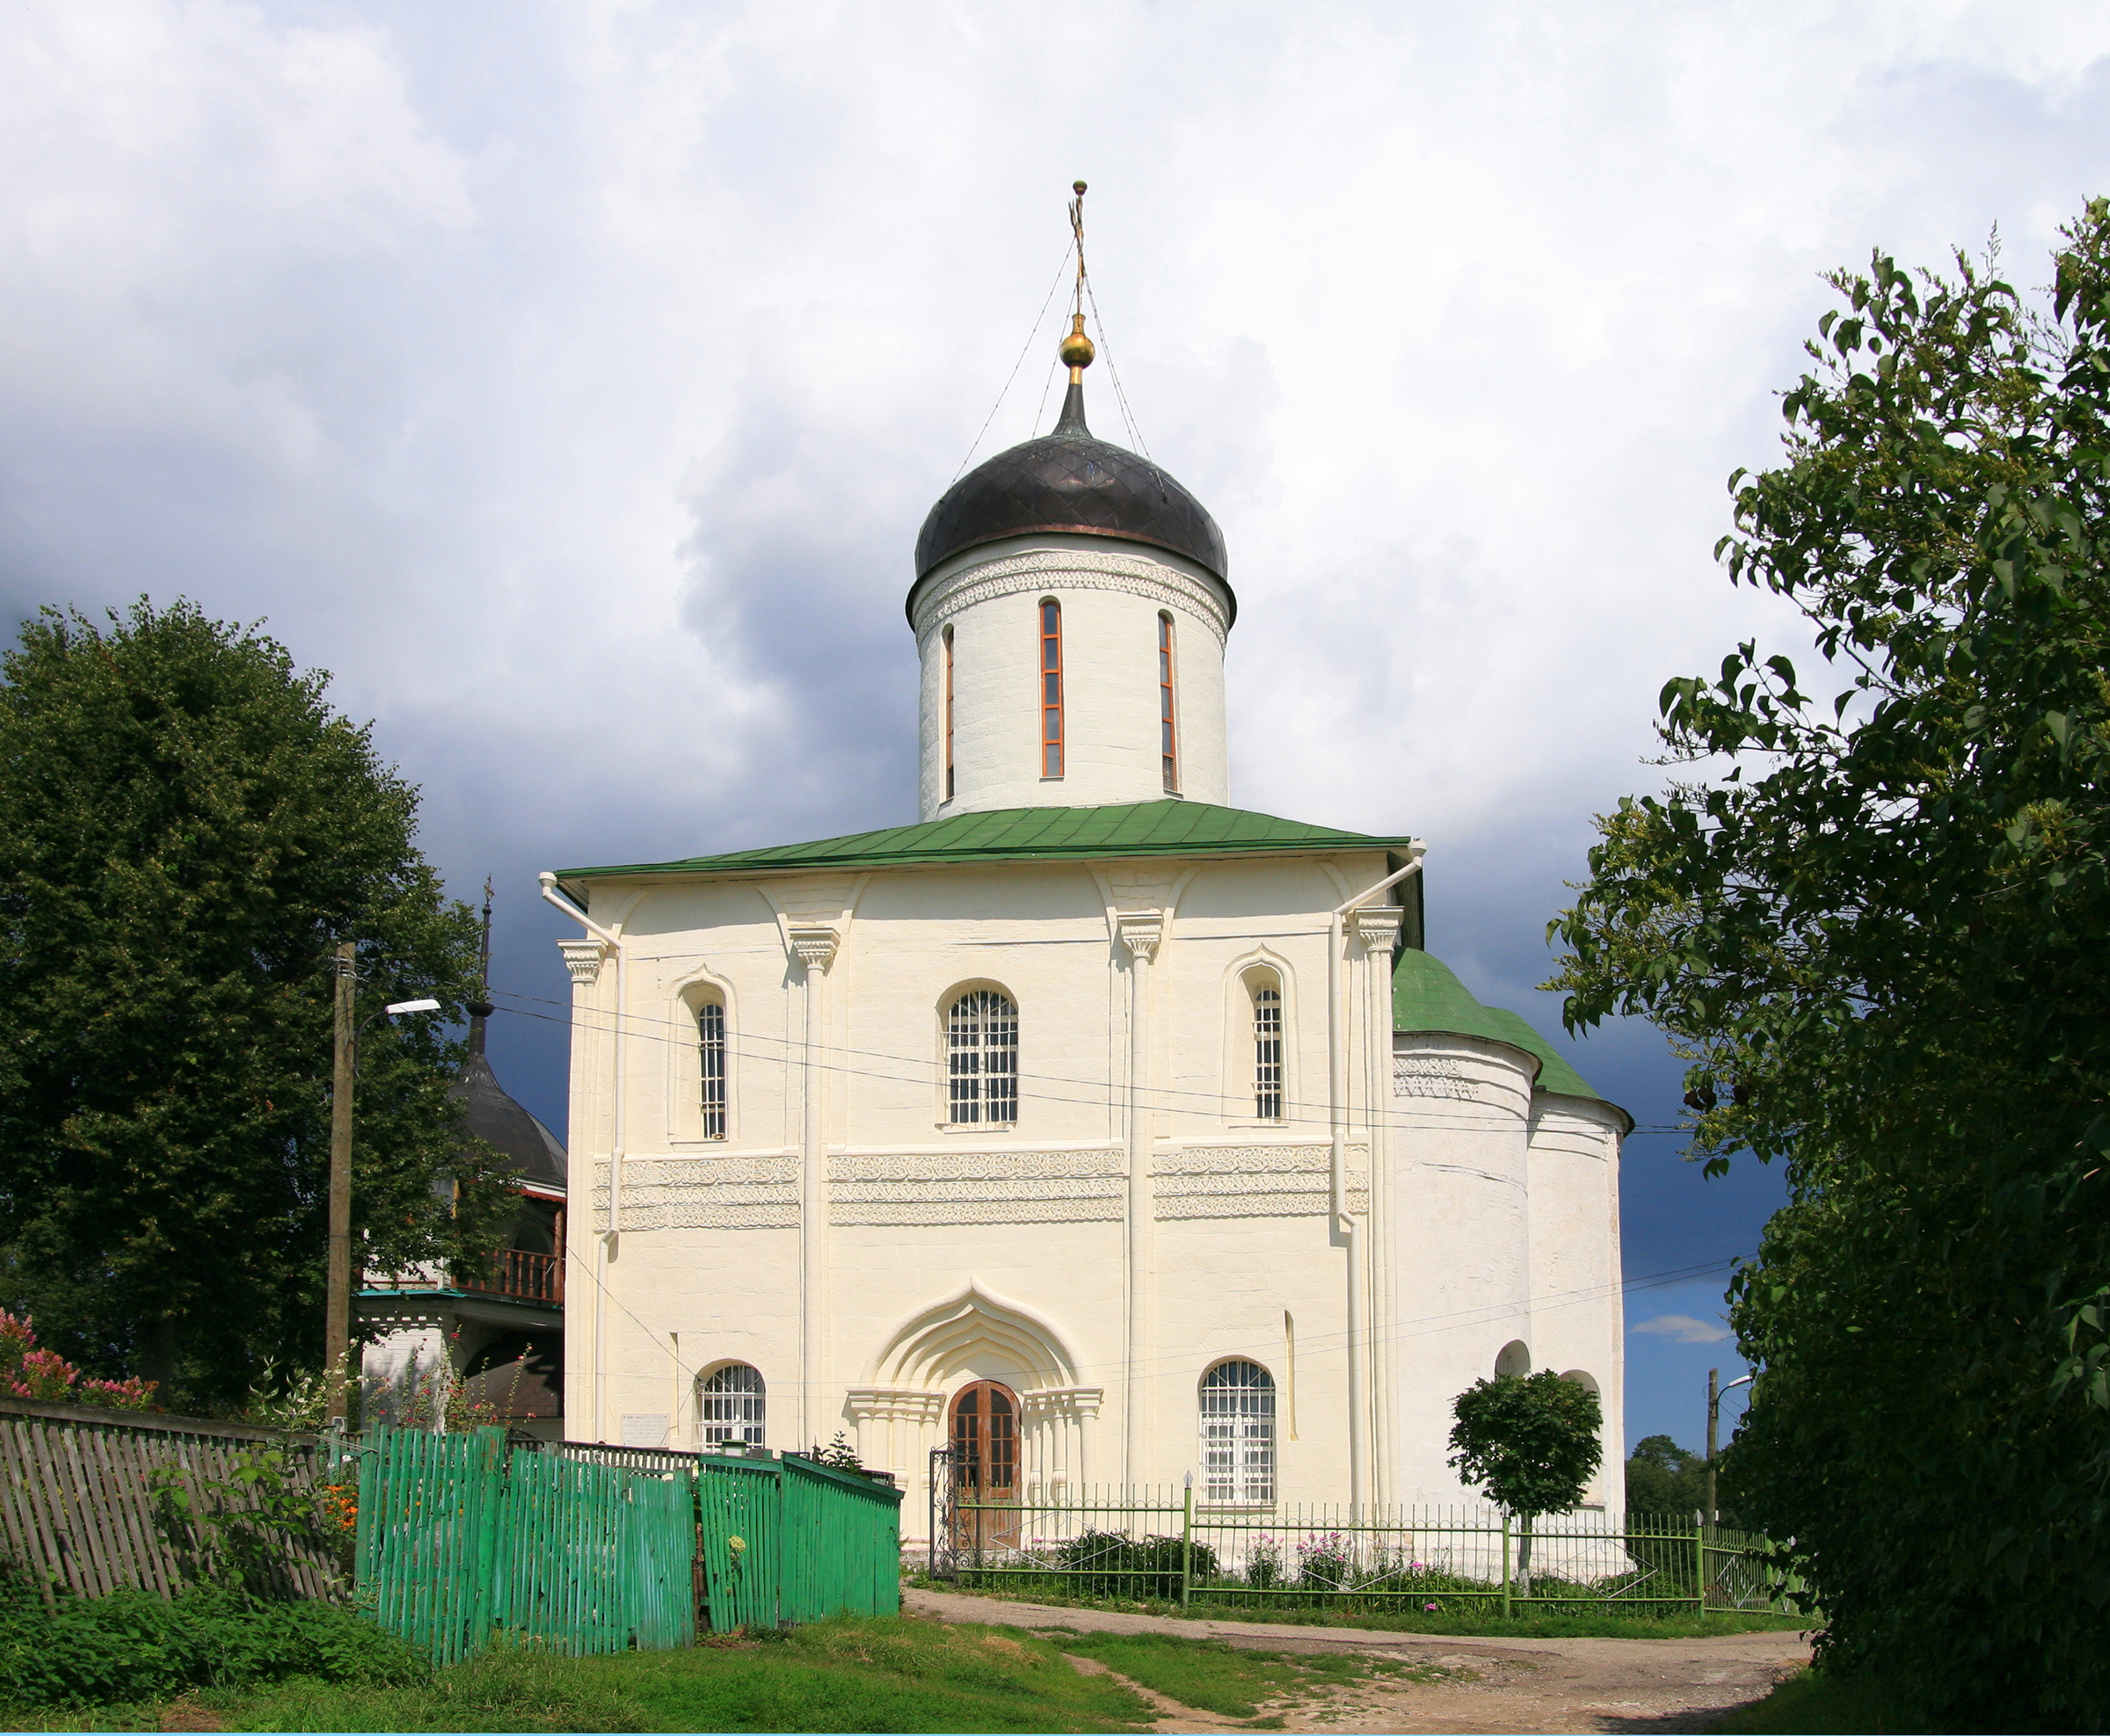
(732, 1406)
(711, 1042)
(1238, 1433)
(1267, 1055)
(981, 1041)
(1167, 744)
(1050, 689)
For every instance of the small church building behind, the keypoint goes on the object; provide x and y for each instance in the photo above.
(1089, 1124)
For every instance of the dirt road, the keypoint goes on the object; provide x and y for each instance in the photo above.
(1489, 1685)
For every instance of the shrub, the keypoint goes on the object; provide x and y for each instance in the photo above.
(132, 1646)
(1117, 1565)
(27, 1371)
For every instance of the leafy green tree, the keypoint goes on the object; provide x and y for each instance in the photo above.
(1874, 921)
(186, 830)
(1663, 1479)
(1530, 1442)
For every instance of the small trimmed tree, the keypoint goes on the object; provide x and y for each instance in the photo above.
(1530, 1442)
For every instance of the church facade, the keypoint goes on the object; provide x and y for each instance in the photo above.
(1089, 1124)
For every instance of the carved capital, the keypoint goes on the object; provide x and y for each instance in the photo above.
(815, 944)
(582, 959)
(1378, 927)
(1141, 931)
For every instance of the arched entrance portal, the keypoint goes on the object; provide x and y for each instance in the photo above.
(985, 1457)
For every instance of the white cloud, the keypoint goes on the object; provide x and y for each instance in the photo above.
(1683, 1329)
(571, 380)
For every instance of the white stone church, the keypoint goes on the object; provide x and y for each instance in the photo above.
(1091, 1123)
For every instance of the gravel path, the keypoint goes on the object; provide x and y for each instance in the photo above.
(1500, 1684)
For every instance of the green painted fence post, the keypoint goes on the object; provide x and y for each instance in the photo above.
(1506, 1609)
(1187, 1546)
(1699, 1560)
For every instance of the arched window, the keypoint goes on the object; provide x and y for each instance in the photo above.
(732, 1407)
(1168, 743)
(981, 1058)
(710, 1053)
(1515, 1359)
(1237, 1432)
(950, 783)
(1267, 1052)
(1050, 689)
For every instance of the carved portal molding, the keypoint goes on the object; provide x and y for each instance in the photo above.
(1141, 931)
(1257, 1182)
(815, 944)
(582, 959)
(703, 1193)
(977, 1188)
(1072, 571)
(1378, 927)
(1432, 1076)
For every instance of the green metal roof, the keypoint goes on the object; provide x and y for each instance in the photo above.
(1166, 828)
(1427, 995)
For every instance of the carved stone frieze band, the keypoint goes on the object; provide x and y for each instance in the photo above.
(1430, 1075)
(703, 1193)
(1257, 1182)
(1075, 570)
(977, 1188)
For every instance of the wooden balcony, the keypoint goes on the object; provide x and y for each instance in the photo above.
(524, 1276)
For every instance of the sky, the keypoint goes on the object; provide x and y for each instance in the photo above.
(570, 380)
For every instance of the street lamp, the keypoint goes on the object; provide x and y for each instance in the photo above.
(1714, 1394)
(337, 1323)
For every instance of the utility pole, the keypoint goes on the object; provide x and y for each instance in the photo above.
(1715, 1392)
(337, 1325)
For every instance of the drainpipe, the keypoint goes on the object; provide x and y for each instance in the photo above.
(1344, 1225)
(611, 1223)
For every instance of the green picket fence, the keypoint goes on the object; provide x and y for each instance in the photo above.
(585, 1548)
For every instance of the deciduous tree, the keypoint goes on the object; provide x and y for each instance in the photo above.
(1530, 1442)
(1873, 917)
(186, 828)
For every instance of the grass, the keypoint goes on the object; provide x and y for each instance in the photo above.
(1445, 1620)
(1814, 1702)
(848, 1673)
(1234, 1682)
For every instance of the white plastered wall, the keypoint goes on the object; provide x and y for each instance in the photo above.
(1035, 1216)
(1460, 1283)
(1577, 1316)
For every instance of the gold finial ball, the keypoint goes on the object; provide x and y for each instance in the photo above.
(1077, 187)
(1076, 350)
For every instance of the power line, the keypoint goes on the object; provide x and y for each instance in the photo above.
(1015, 366)
(1158, 1096)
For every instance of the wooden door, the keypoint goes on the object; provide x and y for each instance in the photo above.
(985, 1444)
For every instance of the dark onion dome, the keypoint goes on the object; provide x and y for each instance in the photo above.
(1069, 481)
(533, 1153)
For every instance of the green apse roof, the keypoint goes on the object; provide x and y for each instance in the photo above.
(1165, 828)
(1427, 995)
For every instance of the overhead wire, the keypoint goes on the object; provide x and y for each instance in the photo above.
(1159, 1096)
(1015, 366)
(1420, 1325)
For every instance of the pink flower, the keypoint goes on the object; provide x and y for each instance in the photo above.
(1431, 1607)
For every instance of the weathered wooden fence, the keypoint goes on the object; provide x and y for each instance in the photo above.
(77, 1500)
(580, 1549)
(569, 1548)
